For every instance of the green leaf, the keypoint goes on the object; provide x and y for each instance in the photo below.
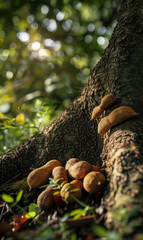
(100, 231)
(11, 127)
(7, 198)
(77, 212)
(34, 208)
(44, 186)
(66, 197)
(75, 190)
(59, 179)
(55, 193)
(19, 196)
(64, 218)
(31, 214)
(77, 216)
(88, 208)
(51, 180)
(7, 120)
(63, 183)
(74, 236)
(73, 213)
(66, 190)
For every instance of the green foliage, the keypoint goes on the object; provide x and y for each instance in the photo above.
(47, 50)
(100, 231)
(7, 198)
(125, 217)
(13, 202)
(10, 199)
(31, 214)
(19, 196)
(12, 133)
(34, 207)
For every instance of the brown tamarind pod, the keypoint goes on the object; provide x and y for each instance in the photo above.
(80, 169)
(117, 116)
(104, 125)
(46, 198)
(97, 111)
(40, 176)
(106, 102)
(70, 163)
(94, 182)
(60, 173)
(76, 185)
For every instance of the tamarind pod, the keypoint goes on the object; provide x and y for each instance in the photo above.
(59, 173)
(97, 111)
(70, 163)
(40, 176)
(46, 199)
(121, 114)
(104, 125)
(93, 182)
(80, 169)
(117, 116)
(107, 101)
(75, 184)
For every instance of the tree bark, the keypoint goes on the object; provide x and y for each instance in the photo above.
(73, 134)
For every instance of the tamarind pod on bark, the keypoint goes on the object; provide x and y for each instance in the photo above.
(59, 173)
(117, 116)
(106, 102)
(80, 169)
(104, 125)
(121, 114)
(93, 182)
(40, 176)
(97, 111)
(75, 184)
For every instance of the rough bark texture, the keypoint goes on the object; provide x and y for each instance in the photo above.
(74, 135)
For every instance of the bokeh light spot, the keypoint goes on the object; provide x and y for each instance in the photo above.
(101, 40)
(52, 25)
(88, 38)
(23, 37)
(60, 16)
(30, 18)
(44, 9)
(35, 46)
(48, 42)
(91, 27)
(9, 75)
(67, 24)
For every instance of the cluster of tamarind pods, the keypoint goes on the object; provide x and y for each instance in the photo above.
(83, 176)
(117, 116)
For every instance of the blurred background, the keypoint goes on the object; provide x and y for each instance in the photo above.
(48, 49)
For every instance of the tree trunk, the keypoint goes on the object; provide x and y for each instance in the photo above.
(73, 134)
